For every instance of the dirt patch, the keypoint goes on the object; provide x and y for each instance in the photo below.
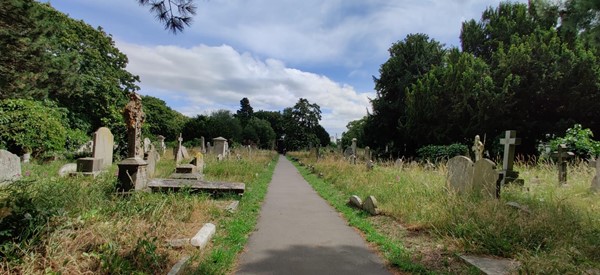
(431, 252)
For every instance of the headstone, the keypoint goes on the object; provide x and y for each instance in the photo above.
(370, 205)
(203, 145)
(103, 147)
(477, 148)
(354, 146)
(369, 165)
(399, 163)
(204, 235)
(151, 157)
(595, 187)
(10, 166)
(485, 177)
(460, 174)
(67, 169)
(178, 151)
(491, 265)
(198, 161)
(209, 148)
(147, 143)
(508, 175)
(161, 144)
(26, 157)
(132, 170)
(318, 151)
(348, 152)
(562, 155)
(355, 201)
(220, 147)
(367, 153)
(184, 152)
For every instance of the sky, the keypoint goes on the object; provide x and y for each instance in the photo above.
(272, 51)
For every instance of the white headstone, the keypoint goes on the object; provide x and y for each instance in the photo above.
(10, 166)
(103, 147)
(460, 174)
(370, 205)
(147, 143)
(485, 177)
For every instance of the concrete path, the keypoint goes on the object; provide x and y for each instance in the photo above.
(299, 233)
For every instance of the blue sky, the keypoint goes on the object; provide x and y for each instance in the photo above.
(272, 51)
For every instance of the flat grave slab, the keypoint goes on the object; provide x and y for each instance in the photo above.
(199, 185)
(490, 265)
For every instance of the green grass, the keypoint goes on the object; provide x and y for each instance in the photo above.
(77, 225)
(561, 235)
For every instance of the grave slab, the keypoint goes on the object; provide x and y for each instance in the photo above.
(206, 186)
(491, 266)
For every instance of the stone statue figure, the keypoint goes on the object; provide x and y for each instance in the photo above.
(477, 148)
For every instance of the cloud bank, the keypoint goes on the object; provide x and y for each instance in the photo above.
(203, 79)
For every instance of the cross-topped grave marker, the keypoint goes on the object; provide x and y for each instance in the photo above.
(508, 175)
(132, 170)
(562, 155)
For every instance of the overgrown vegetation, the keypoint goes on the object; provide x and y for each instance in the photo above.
(560, 234)
(78, 225)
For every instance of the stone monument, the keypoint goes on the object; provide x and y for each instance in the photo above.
(132, 170)
(477, 148)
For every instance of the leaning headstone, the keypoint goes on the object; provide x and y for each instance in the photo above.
(67, 169)
(132, 170)
(184, 153)
(147, 143)
(460, 174)
(485, 177)
(204, 235)
(10, 166)
(562, 155)
(104, 144)
(355, 201)
(370, 205)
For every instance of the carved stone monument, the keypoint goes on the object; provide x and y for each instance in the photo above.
(132, 170)
(562, 155)
(477, 148)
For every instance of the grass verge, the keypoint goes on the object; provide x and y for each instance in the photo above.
(394, 252)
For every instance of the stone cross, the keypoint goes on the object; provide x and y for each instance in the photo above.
(562, 156)
(134, 118)
(507, 174)
(477, 148)
(509, 141)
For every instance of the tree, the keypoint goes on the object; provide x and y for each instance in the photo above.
(409, 60)
(322, 135)
(245, 112)
(31, 126)
(175, 14)
(162, 120)
(221, 123)
(581, 17)
(356, 129)
(259, 132)
(300, 123)
(274, 118)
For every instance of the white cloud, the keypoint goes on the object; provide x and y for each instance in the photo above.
(203, 79)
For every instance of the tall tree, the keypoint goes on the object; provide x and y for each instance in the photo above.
(409, 60)
(245, 112)
(161, 119)
(300, 123)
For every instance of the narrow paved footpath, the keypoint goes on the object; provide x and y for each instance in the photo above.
(299, 233)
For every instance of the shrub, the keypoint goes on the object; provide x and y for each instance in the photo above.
(28, 126)
(578, 141)
(435, 153)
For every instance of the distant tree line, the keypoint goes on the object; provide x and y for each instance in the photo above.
(531, 68)
(61, 79)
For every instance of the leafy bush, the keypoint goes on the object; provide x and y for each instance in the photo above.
(578, 141)
(31, 126)
(437, 153)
